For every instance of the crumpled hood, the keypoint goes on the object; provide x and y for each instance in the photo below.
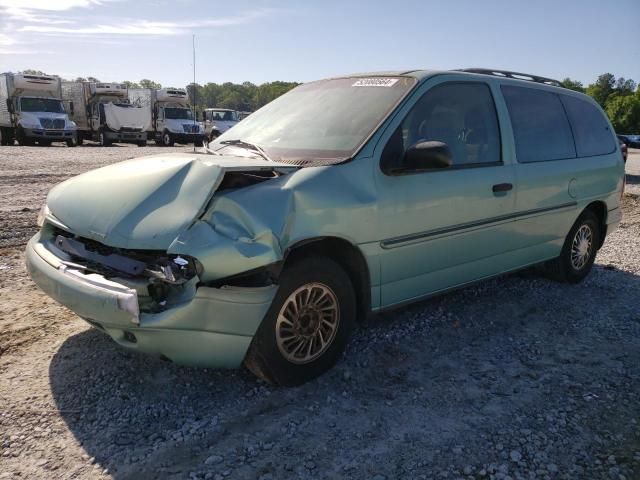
(147, 202)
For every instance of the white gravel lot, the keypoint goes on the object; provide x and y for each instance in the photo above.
(516, 378)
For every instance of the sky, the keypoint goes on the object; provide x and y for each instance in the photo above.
(267, 40)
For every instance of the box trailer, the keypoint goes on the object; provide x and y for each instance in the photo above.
(171, 117)
(103, 113)
(32, 111)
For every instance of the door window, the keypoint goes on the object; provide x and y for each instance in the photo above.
(590, 128)
(462, 115)
(540, 126)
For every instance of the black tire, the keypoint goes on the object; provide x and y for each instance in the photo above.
(142, 143)
(167, 139)
(103, 140)
(213, 135)
(72, 142)
(22, 138)
(44, 143)
(3, 137)
(198, 143)
(265, 359)
(563, 268)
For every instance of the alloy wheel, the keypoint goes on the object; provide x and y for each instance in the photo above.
(307, 323)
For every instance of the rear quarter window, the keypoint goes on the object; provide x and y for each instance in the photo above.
(590, 128)
(540, 126)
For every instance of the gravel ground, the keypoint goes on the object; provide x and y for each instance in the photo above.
(516, 378)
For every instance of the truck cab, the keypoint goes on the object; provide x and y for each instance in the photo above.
(33, 111)
(173, 119)
(218, 120)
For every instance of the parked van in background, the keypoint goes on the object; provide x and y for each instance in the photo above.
(340, 198)
(31, 111)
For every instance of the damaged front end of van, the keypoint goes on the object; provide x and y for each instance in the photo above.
(162, 255)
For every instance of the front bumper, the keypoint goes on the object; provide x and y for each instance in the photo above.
(126, 137)
(51, 135)
(213, 329)
(187, 137)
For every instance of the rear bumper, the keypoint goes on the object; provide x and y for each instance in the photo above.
(614, 217)
(52, 135)
(213, 329)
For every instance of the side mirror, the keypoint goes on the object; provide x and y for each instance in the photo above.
(71, 108)
(427, 156)
(10, 105)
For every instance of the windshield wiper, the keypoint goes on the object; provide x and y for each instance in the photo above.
(248, 146)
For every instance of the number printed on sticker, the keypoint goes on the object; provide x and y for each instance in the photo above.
(375, 82)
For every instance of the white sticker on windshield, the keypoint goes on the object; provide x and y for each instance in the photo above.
(375, 82)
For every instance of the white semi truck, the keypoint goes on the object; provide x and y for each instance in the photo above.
(31, 111)
(170, 117)
(103, 113)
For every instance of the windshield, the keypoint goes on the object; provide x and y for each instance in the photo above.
(223, 116)
(41, 105)
(322, 122)
(178, 113)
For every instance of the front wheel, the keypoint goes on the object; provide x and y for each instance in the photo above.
(578, 252)
(167, 139)
(72, 142)
(142, 143)
(104, 141)
(307, 326)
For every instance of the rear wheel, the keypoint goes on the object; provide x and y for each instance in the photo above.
(142, 143)
(307, 326)
(578, 252)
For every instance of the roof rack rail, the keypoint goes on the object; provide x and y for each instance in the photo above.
(515, 75)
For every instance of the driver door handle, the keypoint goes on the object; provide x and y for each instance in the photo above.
(502, 187)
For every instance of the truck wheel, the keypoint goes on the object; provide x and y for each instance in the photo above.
(3, 137)
(198, 143)
(142, 143)
(307, 326)
(104, 141)
(44, 143)
(22, 138)
(72, 142)
(213, 135)
(579, 251)
(79, 139)
(167, 139)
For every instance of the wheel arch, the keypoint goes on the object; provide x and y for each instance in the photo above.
(345, 254)
(599, 209)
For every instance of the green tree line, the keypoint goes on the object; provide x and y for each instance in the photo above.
(619, 97)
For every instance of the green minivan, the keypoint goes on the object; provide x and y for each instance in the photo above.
(342, 197)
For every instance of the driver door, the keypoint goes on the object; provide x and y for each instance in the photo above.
(445, 227)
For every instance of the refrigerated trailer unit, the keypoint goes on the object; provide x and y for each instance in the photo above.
(103, 113)
(31, 111)
(171, 119)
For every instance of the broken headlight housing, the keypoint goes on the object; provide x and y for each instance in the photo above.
(42, 215)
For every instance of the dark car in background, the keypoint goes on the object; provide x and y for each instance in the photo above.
(624, 150)
(631, 141)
